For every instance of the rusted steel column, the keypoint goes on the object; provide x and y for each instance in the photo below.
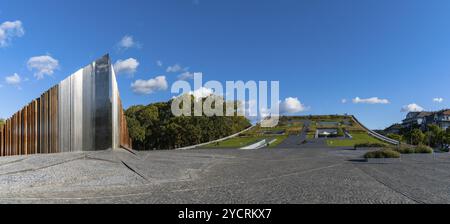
(1, 141)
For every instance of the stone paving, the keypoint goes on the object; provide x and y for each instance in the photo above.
(297, 175)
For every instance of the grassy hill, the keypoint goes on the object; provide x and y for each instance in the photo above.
(294, 125)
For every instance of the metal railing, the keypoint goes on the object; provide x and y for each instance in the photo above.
(216, 141)
(376, 135)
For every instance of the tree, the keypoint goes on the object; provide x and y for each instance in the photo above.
(434, 136)
(137, 132)
(395, 137)
(447, 136)
(155, 127)
(415, 137)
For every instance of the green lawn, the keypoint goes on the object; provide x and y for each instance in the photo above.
(259, 133)
(280, 139)
(237, 142)
(358, 138)
(310, 135)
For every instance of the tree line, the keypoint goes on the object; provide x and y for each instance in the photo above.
(434, 136)
(154, 127)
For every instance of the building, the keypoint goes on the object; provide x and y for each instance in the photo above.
(440, 118)
(82, 113)
(423, 119)
(415, 119)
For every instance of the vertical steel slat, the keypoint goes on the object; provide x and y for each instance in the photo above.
(83, 112)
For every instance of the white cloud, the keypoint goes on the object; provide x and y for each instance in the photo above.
(373, 100)
(128, 42)
(438, 100)
(291, 105)
(149, 86)
(265, 113)
(203, 92)
(128, 66)
(412, 108)
(187, 75)
(13, 79)
(10, 30)
(43, 65)
(159, 63)
(174, 68)
(344, 101)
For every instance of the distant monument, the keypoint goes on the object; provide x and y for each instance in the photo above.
(82, 113)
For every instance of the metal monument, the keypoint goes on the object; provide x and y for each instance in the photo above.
(82, 113)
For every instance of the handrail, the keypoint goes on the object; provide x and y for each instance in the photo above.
(215, 141)
(374, 134)
(257, 145)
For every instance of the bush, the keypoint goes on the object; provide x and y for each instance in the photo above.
(381, 154)
(395, 137)
(370, 145)
(406, 150)
(412, 150)
(424, 149)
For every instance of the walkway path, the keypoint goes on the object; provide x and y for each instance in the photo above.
(294, 141)
(308, 175)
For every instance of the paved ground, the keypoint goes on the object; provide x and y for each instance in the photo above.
(296, 141)
(300, 175)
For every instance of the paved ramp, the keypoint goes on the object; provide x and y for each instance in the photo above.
(310, 175)
(301, 141)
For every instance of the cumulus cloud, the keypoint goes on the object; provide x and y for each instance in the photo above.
(10, 30)
(344, 101)
(150, 86)
(174, 68)
(438, 100)
(128, 42)
(187, 76)
(412, 108)
(43, 65)
(291, 105)
(13, 79)
(128, 66)
(373, 100)
(203, 92)
(159, 63)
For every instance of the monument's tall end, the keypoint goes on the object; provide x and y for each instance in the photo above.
(82, 113)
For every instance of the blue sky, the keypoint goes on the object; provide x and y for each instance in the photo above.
(321, 51)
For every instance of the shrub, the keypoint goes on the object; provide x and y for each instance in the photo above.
(423, 149)
(405, 150)
(412, 150)
(370, 145)
(395, 137)
(381, 154)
